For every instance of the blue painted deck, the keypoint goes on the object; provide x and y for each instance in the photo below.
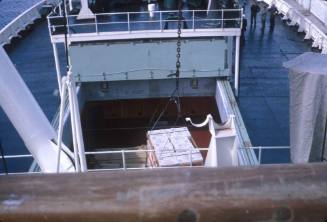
(264, 94)
(264, 89)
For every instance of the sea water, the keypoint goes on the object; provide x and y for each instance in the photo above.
(33, 58)
(10, 9)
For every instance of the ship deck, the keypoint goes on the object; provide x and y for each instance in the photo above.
(264, 94)
(106, 125)
(264, 85)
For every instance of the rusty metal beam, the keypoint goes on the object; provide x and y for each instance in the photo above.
(268, 193)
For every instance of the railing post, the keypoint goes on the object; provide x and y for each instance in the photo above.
(5, 168)
(96, 24)
(193, 18)
(50, 27)
(128, 22)
(190, 151)
(60, 10)
(160, 21)
(71, 5)
(124, 160)
(222, 18)
(237, 66)
(260, 154)
(241, 18)
(63, 88)
(76, 121)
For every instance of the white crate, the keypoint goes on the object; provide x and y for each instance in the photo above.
(174, 147)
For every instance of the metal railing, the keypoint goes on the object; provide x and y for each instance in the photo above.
(306, 24)
(152, 73)
(123, 152)
(259, 150)
(15, 157)
(140, 21)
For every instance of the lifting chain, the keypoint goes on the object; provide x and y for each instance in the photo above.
(178, 56)
(179, 32)
(175, 95)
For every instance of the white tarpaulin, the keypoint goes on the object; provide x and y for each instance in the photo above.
(308, 107)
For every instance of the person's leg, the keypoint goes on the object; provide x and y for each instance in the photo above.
(272, 22)
(251, 19)
(184, 24)
(242, 38)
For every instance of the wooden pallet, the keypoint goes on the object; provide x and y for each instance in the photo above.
(115, 160)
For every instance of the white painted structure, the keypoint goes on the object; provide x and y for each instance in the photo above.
(135, 26)
(222, 148)
(316, 7)
(12, 29)
(29, 120)
(149, 60)
(237, 65)
(69, 88)
(309, 15)
(85, 12)
(151, 9)
(227, 106)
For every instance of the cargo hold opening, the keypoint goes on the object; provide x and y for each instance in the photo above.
(123, 124)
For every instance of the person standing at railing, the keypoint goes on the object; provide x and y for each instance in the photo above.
(273, 13)
(254, 11)
(243, 30)
(264, 17)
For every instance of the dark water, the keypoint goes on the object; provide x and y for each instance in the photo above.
(33, 58)
(10, 9)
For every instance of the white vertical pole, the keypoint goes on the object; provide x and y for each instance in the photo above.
(160, 21)
(72, 120)
(128, 22)
(61, 120)
(237, 66)
(56, 57)
(222, 19)
(193, 20)
(84, 3)
(96, 25)
(78, 125)
(60, 10)
(260, 154)
(124, 159)
(70, 5)
(190, 153)
(85, 12)
(209, 6)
